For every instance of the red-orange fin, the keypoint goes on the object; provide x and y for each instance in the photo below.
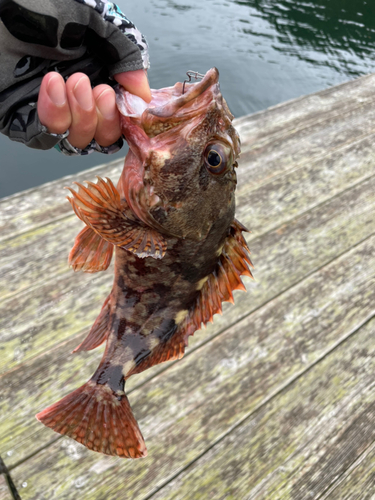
(99, 330)
(99, 419)
(90, 253)
(173, 349)
(99, 206)
(234, 261)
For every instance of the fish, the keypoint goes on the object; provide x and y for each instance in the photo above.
(179, 252)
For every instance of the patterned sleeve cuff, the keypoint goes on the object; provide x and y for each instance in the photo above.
(66, 148)
(113, 14)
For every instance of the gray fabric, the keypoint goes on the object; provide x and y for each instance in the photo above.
(38, 36)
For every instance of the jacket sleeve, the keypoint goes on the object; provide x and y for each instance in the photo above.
(38, 36)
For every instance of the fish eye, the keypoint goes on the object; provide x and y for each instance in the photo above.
(217, 158)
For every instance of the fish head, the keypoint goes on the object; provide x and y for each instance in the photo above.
(179, 175)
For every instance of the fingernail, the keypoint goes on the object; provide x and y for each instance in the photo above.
(106, 104)
(83, 93)
(56, 91)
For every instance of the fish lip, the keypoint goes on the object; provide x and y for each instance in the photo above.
(210, 78)
(195, 90)
(167, 109)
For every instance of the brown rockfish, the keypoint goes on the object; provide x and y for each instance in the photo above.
(179, 252)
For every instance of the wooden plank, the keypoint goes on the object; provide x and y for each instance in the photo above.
(301, 441)
(303, 141)
(36, 207)
(306, 109)
(7, 489)
(31, 323)
(33, 208)
(36, 256)
(69, 304)
(4, 490)
(333, 228)
(183, 411)
(309, 183)
(358, 481)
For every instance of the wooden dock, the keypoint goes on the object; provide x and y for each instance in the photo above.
(276, 400)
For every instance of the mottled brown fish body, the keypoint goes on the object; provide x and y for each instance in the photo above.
(151, 297)
(179, 252)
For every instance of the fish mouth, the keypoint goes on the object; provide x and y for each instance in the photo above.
(185, 93)
(172, 104)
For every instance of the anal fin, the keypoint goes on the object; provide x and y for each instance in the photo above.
(90, 253)
(172, 349)
(99, 330)
(234, 261)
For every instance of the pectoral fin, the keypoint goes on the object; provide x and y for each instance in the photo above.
(90, 252)
(99, 206)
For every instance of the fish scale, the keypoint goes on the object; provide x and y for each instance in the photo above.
(179, 252)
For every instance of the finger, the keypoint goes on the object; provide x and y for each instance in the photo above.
(53, 106)
(82, 107)
(136, 83)
(108, 127)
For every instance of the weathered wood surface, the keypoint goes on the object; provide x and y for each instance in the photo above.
(276, 399)
(358, 480)
(4, 490)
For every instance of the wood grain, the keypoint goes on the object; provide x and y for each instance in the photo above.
(4, 490)
(182, 411)
(300, 442)
(358, 481)
(278, 120)
(36, 207)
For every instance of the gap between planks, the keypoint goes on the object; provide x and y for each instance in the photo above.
(4, 473)
(298, 215)
(291, 130)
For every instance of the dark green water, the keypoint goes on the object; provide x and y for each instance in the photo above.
(267, 52)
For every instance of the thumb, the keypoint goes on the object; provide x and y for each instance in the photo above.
(136, 83)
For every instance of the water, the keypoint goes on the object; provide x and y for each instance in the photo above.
(267, 52)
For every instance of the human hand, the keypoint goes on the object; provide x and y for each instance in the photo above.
(87, 113)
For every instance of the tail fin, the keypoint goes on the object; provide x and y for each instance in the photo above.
(99, 419)
(90, 252)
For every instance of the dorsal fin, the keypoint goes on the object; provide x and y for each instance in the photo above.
(90, 252)
(99, 206)
(234, 261)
